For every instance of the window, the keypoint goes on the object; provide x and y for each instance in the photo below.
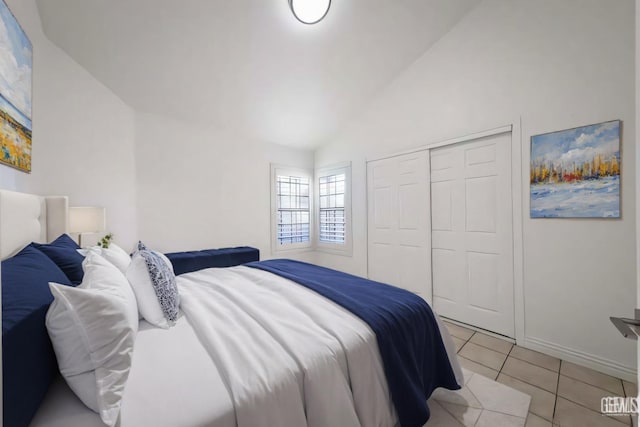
(334, 209)
(293, 209)
(291, 200)
(332, 219)
(311, 212)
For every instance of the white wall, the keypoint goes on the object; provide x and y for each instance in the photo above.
(85, 142)
(27, 15)
(83, 135)
(553, 65)
(199, 187)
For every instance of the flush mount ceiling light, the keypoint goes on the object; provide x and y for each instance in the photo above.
(309, 11)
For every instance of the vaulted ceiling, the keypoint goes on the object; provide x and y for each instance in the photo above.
(249, 65)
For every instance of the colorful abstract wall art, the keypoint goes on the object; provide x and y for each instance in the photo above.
(16, 65)
(575, 173)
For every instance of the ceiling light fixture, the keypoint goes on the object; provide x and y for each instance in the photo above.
(309, 11)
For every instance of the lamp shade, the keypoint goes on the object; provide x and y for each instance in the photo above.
(309, 11)
(87, 219)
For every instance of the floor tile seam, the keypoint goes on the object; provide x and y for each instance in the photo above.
(491, 410)
(479, 363)
(586, 383)
(483, 408)
(489, 348)
(505, 360)
(537, 366)
(465, 340)
(555, 403)
(529, 384)
(465, 343)
(584, 407)
(482, 364)
(451, 413)
(524, 360)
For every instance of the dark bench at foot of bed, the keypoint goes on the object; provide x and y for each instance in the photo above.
(186, 262)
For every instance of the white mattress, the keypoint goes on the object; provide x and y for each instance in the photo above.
(174, 381)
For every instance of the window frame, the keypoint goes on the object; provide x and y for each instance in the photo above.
(345, 248)
(276, 247)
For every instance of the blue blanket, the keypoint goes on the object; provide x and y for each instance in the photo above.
(414, 357)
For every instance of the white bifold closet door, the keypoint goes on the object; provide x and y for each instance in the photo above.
(471, 233)
(398, 222)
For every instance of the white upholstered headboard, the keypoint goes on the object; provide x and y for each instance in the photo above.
(26, 218)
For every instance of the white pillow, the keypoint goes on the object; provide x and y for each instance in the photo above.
(93, 328)
(114, 254)
(153, 280)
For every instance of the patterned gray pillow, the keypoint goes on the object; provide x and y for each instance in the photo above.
(164, 284)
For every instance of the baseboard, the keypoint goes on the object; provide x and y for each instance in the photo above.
(599, 364)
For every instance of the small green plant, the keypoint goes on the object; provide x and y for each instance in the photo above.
(106, 241)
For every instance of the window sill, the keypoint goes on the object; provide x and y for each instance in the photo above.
(292, 251)
(328, 249)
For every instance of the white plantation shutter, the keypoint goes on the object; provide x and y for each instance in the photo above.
(333, 212)
(293, 209)
(332, 218)
(292, 203)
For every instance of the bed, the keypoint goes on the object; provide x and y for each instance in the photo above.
(249, 348)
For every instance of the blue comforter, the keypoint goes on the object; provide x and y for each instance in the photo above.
(414, 357)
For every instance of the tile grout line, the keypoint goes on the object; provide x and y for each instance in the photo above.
(476, 423)
(593, 385)
(489, 348)
(504, 362)
(509, 355)
(534, 386)
(557, 395)
(557, 383)
(526, 417)
(537, 366)
(444, 408)
(585, 408)
(558, 372)
(483, 365)
(490, 410)
(467, 341)
(555, 401)
(534, 364)
(589, 384)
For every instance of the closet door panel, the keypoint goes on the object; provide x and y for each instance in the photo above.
(398, 222)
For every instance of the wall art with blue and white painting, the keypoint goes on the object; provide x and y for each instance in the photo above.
(16, 65)
(575, 173)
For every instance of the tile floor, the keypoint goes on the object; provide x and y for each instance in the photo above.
(481, 402)
(562, 393)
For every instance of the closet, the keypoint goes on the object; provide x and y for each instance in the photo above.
(440, 224)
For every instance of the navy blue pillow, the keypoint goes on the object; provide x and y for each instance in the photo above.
(63, 251)
(186, 262)
(28, 361)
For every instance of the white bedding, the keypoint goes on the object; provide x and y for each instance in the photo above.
(172, 383)
(252, 349)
